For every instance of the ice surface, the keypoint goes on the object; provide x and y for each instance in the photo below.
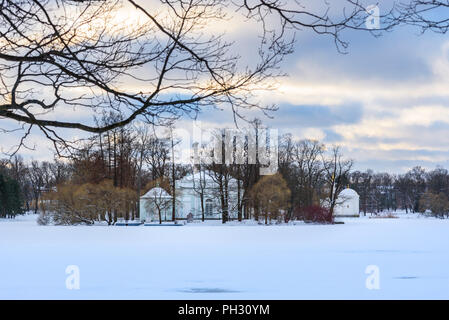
(210, 261)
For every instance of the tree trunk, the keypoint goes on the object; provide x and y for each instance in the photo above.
(202, 206)
(173, 179)
(239, 202)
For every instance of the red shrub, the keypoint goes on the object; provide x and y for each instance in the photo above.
(314, 214)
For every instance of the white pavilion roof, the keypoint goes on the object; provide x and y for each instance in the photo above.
(157, 192)
(348, 193)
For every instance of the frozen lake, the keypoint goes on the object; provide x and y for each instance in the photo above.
(227, 262)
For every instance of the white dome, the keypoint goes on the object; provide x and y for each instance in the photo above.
(349, 193)
(348, 204)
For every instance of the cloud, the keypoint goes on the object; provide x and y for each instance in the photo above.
(386, 101)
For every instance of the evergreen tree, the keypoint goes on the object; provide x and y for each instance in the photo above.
(10, 197)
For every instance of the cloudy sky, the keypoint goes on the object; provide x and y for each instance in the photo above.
(385, 101)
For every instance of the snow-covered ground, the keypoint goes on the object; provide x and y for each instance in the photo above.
(227, 262)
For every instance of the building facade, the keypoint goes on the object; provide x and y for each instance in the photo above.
(348, 204)
(189, 200)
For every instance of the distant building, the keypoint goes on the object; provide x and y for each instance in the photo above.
(154, 200)
(347, 204)
(188, 199)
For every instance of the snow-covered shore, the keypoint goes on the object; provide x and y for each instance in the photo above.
(212, 261)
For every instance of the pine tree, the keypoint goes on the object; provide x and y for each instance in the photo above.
(10, 197)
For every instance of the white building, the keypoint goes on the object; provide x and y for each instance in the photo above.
(188, 199)
(154, 200)
(347, 204)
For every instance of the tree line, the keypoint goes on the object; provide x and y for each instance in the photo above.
(106, 175)
(188, 67)
(417, 190)
(188, 70)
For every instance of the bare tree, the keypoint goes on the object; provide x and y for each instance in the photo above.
(362, 183)
(158, 156)
(430, 15)
(438, 181)
(307, 158)
(141, 153)
(37, 182)
(199, 178)
(336, 175)
(81, 55)
(411, 186)
(220, 173)
(63, 55)
(174, 141)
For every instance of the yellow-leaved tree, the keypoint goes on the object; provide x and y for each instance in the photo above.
(87, 203)
(271, 196)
